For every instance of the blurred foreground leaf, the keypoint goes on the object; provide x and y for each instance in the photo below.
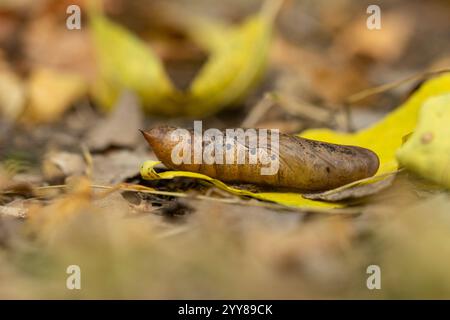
(427, 151)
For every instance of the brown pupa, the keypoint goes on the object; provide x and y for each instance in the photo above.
(304, 164)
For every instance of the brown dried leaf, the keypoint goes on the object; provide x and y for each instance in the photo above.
(120, 128)
(117, 166)
(353, 192)
(59, 165)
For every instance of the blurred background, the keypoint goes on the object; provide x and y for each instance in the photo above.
(71, 104)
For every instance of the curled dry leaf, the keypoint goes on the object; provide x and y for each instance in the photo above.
(354, 190)
(125, 62)
(238, 59)
(238, 55)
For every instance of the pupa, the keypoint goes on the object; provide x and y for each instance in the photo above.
(301, 164)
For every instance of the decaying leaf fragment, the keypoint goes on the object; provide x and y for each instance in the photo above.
(427, 151)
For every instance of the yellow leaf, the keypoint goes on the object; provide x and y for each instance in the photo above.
(51, 93)
(126, 63)
(12, 95)
(289, 199)
(427, 151)
(237, 62)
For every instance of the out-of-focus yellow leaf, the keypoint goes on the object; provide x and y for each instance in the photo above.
(238, 55)
(384, 137)
(126, 63)
(237, 62)
(12, 95)
(51, 93)
(289, 199)
(427, 151)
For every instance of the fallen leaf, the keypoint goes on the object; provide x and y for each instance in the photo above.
(51, 93)
(237, 61)
(113, 131)
(125, 62)
(115, 167)
(59, 165)
(290, 199)
(354, 191)
(427, 150)
(12, 93)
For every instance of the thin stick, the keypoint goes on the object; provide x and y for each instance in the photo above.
(88, 159)
(258, 111)
(389, 86)
(143, 189)
(271, 8)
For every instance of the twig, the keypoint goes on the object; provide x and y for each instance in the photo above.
(258, 111)
(237, 201)
(389, 86)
